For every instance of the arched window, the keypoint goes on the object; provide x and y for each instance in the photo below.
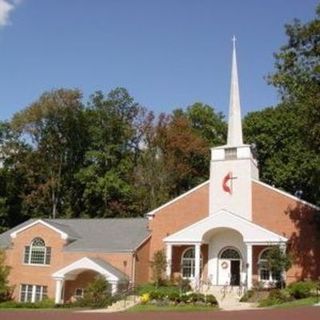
(37, 252)
(230, 254)
(188, 263)
(265, 274)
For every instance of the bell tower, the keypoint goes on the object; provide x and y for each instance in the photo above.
(233, 165)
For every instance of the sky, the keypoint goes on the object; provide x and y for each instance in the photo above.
(167, 53)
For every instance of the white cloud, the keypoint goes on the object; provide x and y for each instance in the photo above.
(6, 7)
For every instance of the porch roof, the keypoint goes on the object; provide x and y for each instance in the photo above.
(100, 266)
(251, 232)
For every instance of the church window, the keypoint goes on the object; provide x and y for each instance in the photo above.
(265, 273)
(188, 263)
(37, 253)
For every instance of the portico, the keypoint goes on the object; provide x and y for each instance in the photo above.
(230, 240)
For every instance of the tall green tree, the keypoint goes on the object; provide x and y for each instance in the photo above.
(297, 77)
(114, 123)
(55, 130)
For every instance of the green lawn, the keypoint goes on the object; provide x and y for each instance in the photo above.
(178, 308)
(297, 303)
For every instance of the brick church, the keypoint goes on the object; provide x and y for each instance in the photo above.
(218, 233)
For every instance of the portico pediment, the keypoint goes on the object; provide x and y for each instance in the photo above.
(251, 232)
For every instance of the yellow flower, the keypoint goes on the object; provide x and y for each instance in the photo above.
(145, 298)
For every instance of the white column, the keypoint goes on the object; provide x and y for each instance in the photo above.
(169, 259)
(249, 265)
(197, 247)
(59, 284)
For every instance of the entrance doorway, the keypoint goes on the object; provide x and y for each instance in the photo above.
(229, 267)
(235, 273)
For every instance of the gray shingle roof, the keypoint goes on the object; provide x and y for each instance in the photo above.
(96, 235)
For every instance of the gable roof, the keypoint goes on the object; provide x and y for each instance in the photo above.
(286, 194)
(251, 232)
(153, 212)
(96, 264)
(94, 235)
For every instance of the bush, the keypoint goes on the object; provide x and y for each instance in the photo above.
(211, 299)
(301, 289)
(44, 304)
(96, 295)
(247, 296)
(196, 297)
(276, 296)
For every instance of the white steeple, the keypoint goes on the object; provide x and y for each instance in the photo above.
(233, 165)
(234, 125)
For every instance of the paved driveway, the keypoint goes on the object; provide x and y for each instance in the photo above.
(306, 313)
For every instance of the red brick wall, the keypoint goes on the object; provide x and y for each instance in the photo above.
(81, 281)
(294, 220)
(142, 263)
(178, 215)
(177, 252)
(41, 275)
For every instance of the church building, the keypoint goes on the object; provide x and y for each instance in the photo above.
(218, 233)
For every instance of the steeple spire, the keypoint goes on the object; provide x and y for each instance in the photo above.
(234, 123)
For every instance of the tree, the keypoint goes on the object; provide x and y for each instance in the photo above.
(158, 266)
(114, 124)
(278, 262)
(284, 159)
(55, 131)
(288, 136)
(97, 294)
(5, 289)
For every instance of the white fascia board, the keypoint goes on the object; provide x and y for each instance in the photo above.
(64, 235)
(83, 264)
(286, 194)
(153, 212)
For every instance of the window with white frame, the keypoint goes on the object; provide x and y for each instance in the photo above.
(265, 274)
(37, 252)
(33, 293)
(188, 263)
(79, 293)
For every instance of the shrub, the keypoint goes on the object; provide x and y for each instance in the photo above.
(276, 296)
(158, 265)
(145, 298)
(5, 289)
(247, 296)
(174, 297)
(184, 284)
(97, 294)
(301, 289)
(196, 297)
(44, 304)
(211, 299)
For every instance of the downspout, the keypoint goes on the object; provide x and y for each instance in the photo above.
(133, 267)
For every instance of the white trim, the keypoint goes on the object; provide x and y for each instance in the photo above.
(153, 212)
(191, 237)
(286, 194)
(264, 281)
(64, 235)
(85, 263)
(141, 243)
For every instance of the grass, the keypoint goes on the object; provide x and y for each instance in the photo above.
(297, 303)
(170, 308)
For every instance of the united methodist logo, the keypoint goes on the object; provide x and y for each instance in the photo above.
(227, 184)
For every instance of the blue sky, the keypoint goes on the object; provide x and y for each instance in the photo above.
(167, 53)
